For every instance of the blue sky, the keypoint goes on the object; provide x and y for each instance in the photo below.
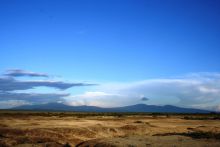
(113, 42)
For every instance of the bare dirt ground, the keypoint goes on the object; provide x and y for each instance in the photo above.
(27, 130)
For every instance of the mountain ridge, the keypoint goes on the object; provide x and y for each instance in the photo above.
(130, 108)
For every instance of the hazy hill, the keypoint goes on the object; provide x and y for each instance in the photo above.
(132, 108)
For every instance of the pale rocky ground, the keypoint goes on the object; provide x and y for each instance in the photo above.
(128, 131)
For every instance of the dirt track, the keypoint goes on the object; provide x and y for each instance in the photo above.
(105, 131)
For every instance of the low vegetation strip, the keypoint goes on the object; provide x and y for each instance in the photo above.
(204, 117)
(188, 116)
(195, 135)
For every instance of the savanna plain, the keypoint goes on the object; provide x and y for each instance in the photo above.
(69, 129)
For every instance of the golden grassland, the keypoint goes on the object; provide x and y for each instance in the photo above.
(58, 129)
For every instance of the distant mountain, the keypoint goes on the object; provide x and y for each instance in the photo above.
(132, 108)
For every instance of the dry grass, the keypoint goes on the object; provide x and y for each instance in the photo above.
(58, 129)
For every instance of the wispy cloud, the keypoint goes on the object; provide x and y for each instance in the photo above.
(20, 73)
(11, 84)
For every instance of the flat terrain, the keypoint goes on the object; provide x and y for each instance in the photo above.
(40, 129)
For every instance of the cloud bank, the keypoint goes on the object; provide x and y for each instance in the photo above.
(197, 90)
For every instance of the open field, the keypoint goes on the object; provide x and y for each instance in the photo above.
(54, 129)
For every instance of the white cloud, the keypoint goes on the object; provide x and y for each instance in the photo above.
(95, 98)
(93, 94)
